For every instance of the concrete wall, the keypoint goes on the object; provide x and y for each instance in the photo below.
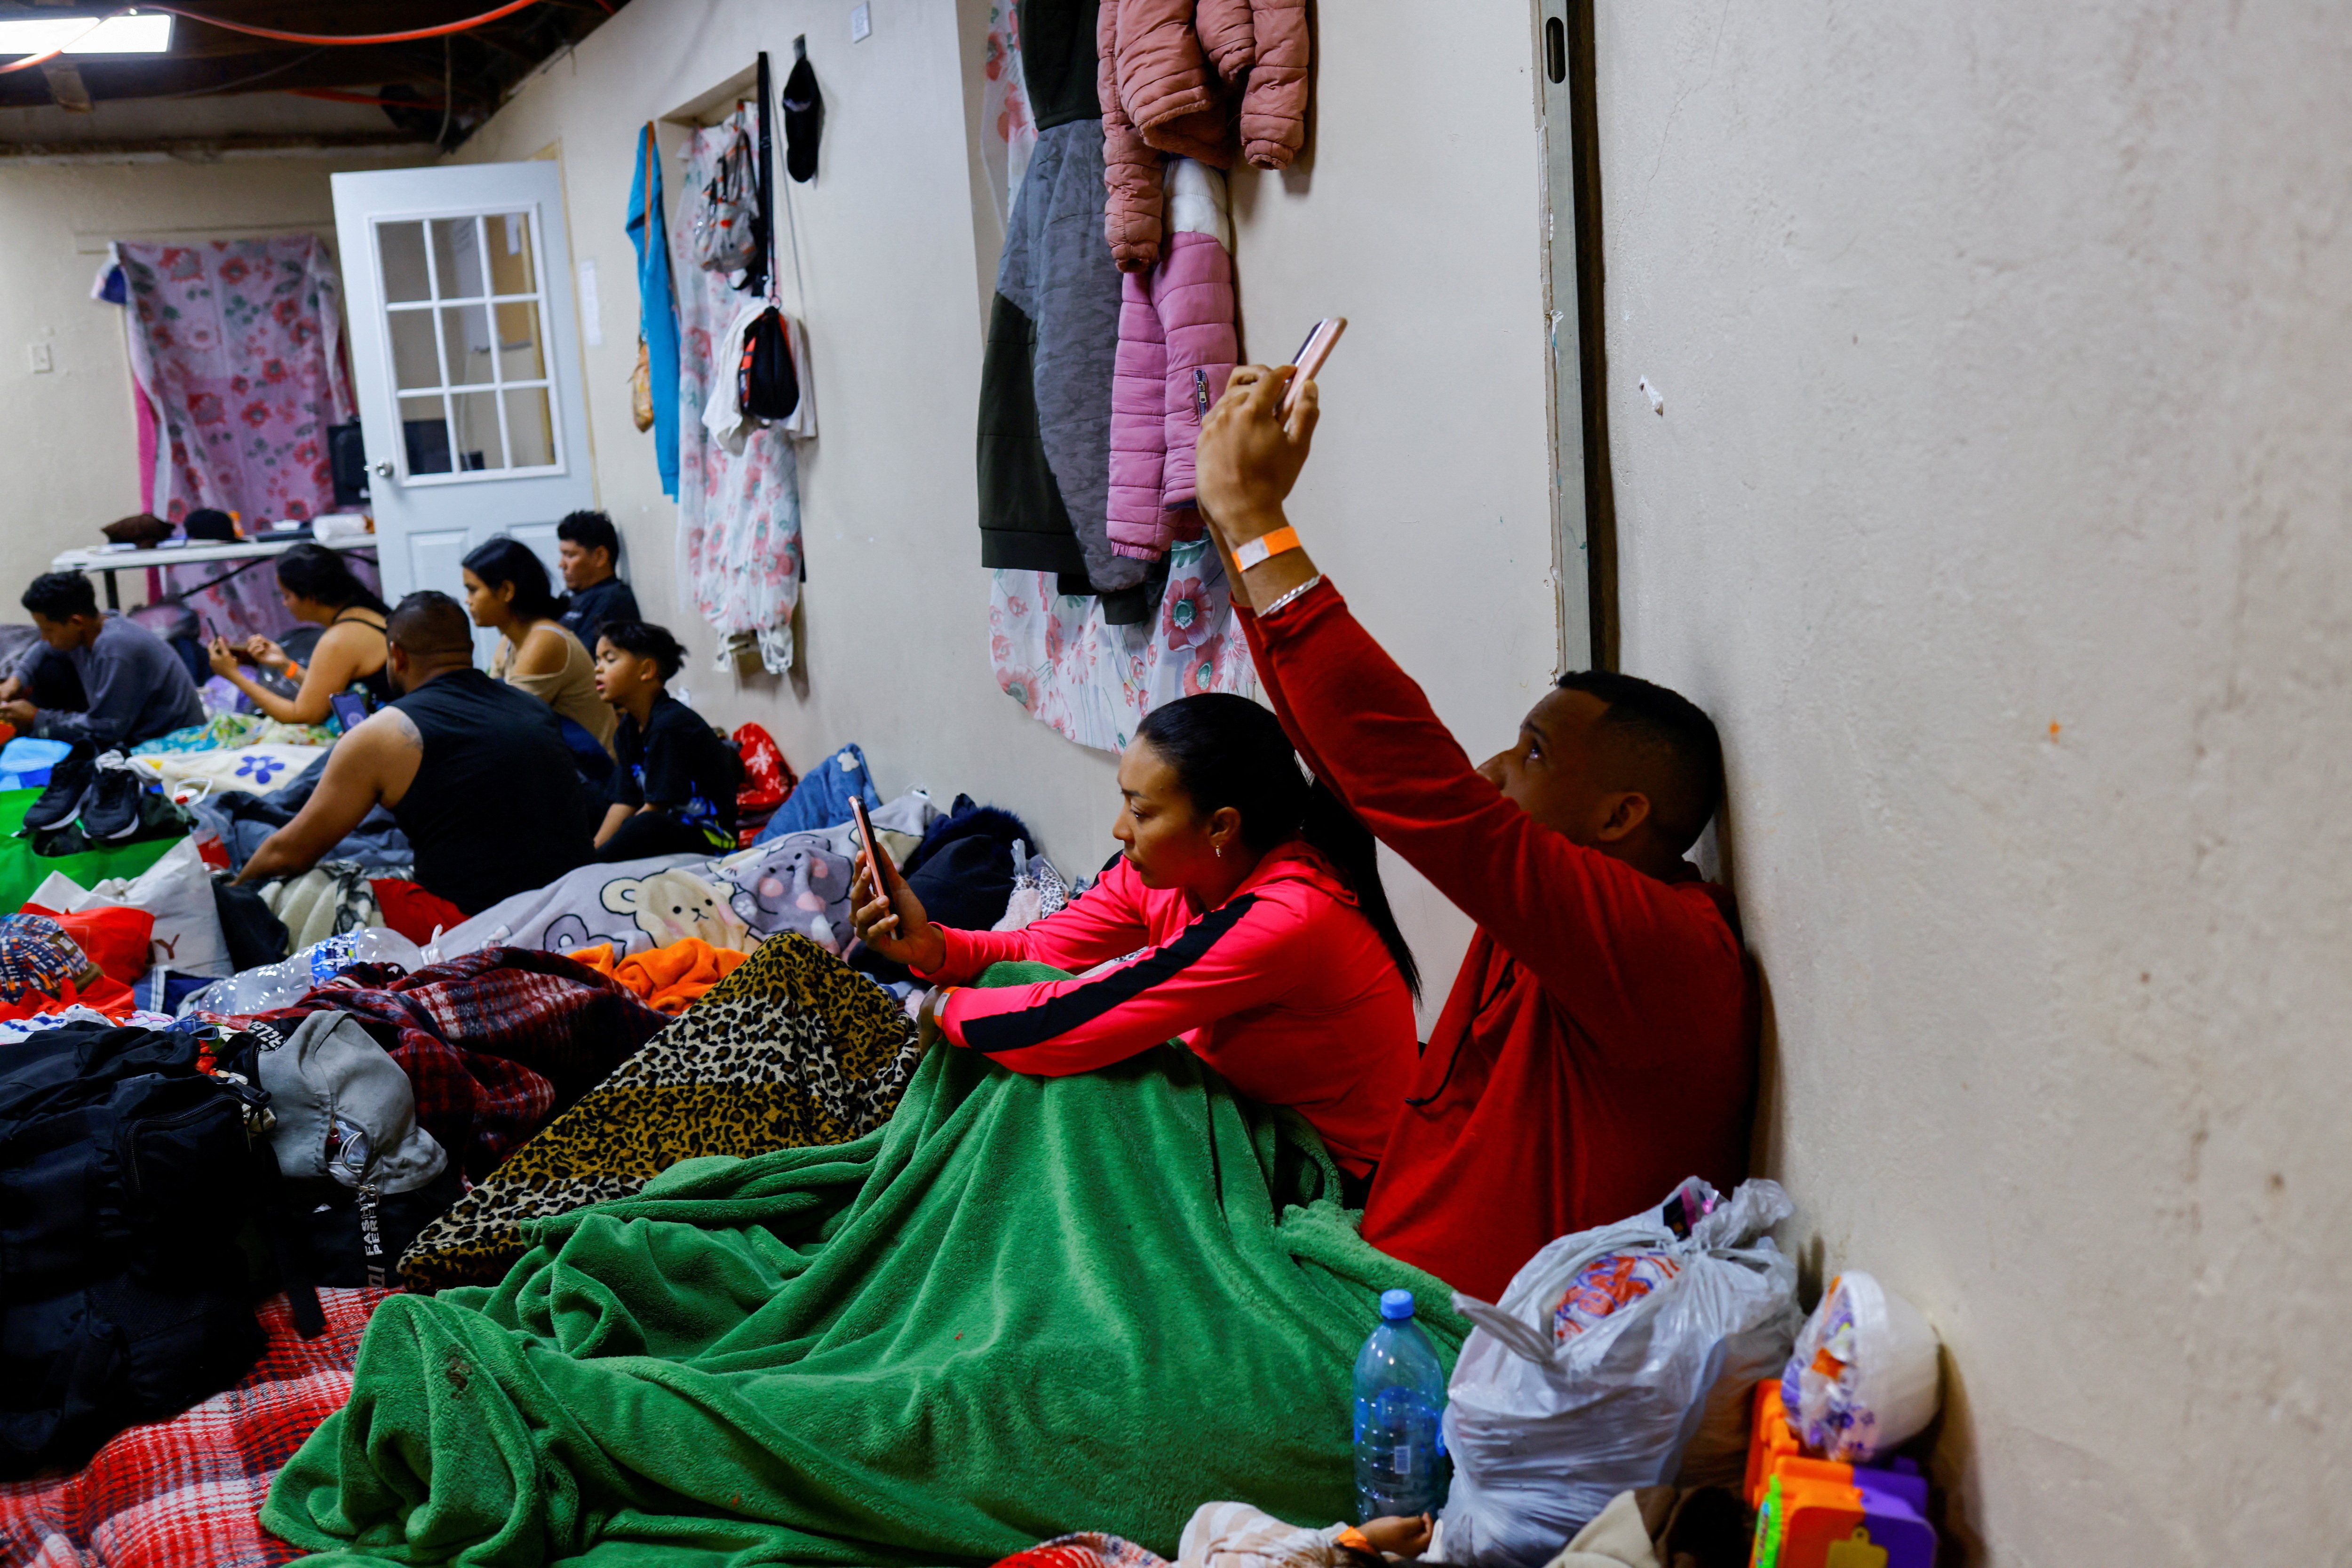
(72, 458)
(1998, 511)
(1448, 560)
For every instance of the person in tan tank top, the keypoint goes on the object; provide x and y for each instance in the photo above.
(507, 591)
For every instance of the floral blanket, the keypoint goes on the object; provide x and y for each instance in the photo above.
(257, 770)
(232, 731)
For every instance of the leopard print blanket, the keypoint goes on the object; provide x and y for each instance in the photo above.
(791, 1050)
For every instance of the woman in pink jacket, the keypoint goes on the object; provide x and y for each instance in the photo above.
(1245, 916)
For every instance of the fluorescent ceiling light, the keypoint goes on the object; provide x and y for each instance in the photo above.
(137, 34)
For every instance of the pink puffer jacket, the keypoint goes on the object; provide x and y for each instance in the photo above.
(1174, 320)
(1273, 108)
(1168, 74)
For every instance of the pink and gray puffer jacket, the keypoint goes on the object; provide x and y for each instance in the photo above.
(1174, 320)
(1173, 77)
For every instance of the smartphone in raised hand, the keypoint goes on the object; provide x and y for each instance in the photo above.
(873, 850)
(1310, 357)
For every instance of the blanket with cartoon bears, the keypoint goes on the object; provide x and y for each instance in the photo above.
(799, 883)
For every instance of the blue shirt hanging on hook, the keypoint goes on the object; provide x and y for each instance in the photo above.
(656, 305)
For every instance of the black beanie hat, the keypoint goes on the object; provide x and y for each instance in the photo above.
(804, 120)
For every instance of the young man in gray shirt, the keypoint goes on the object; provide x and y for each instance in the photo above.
(134, 686)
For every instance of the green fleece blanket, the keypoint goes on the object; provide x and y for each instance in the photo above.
(1023, 1306)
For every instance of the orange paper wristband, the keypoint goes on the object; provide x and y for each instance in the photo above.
(1265, 547)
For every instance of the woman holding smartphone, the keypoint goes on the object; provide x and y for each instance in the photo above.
(1245, 915)
(316, 587)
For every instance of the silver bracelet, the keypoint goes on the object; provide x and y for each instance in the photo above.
(1276, 608)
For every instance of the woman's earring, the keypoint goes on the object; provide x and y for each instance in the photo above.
(1221, 851)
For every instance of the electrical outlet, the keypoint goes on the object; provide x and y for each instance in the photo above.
(861, 21)
(42, 362)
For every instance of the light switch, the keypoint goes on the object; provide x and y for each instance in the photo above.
(39, 354)
(592, 308)
(861, 21)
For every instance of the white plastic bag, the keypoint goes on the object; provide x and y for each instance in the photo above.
(1863, 1377)
(177, 890)
(290, 979)
(1619, 1358)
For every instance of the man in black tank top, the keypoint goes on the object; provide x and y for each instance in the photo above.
(475, 772)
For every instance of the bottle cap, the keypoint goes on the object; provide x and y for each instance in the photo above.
(1396, 1306)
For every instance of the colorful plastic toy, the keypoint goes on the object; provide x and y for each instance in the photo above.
(1816, 1513)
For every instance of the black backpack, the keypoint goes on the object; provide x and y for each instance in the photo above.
(767, 386)
(127, 1180)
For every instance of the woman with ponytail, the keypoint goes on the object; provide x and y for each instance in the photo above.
(352, 654)
(1245, 915)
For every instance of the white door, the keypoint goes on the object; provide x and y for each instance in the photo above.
(464, 360)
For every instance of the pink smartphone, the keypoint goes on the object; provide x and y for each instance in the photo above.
(1311, 355)
(865, 836)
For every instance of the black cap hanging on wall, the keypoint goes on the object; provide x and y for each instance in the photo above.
(804, 115)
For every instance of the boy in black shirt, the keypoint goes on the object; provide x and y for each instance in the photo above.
(673, 789)
(586, 550)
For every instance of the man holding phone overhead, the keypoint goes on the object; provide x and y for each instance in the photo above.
(1599, 1044)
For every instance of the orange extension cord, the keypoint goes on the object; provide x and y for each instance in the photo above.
(324, 38)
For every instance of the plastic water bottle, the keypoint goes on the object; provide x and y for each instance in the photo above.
(287, 982)
(1400, 1396)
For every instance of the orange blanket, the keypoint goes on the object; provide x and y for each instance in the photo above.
(667, 979)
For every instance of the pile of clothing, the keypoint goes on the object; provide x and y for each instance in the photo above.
(161, 976)
(188, 1490)
(702, 1212)
(335, 1129)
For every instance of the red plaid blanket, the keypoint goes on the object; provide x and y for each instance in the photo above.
(494, 1043)
(185, 1493)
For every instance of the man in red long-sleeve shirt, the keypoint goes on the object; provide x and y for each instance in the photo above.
(1600, 1042)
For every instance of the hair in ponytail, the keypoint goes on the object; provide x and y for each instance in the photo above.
(321, 575)
(1226, 751)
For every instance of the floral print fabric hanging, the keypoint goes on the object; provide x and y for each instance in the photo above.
(237, 345)
(1094, 682)
(739, 513)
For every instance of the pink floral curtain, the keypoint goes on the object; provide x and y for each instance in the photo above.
(237, 346)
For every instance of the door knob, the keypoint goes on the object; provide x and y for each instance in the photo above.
(383, 470)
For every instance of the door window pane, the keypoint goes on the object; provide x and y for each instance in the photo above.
(471, 368)
(425, 434)
(530, 428)
(401, 246)
(413, 364)
(520, 358)
(466, 339)
(456, 259)
(475, 428)
(511, 265)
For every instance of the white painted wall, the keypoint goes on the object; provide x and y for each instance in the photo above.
(69, 435)
(2002, 354)
(893, 633)
(1998, 511)
(1447, 559)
